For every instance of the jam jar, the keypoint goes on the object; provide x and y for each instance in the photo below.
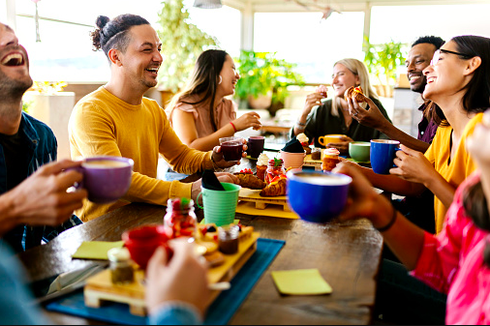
(274, 169)
(180, 220)
(228, 239)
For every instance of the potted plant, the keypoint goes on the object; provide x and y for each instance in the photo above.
(382, 61)
(182, 43)
(49, 103)
(264, 80)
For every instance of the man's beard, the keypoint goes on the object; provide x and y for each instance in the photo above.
(149, 84)
(420, 88)
(13, 88)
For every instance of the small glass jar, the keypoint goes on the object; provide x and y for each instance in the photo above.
(180, 220)
(120, 266)
(316, 154)
(274, 169)
(228, 239)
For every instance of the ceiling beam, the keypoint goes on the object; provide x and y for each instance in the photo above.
(347, 5)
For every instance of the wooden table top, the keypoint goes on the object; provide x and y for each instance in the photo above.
(347, 255)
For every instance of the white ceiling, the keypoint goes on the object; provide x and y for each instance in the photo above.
(340, 5)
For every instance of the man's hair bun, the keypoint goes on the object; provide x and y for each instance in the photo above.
(102, 21)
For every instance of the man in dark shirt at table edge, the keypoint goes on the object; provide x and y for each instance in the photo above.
(25, 143)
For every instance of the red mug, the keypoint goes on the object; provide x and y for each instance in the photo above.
(143, 241)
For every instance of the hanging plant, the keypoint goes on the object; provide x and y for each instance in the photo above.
(382, 60)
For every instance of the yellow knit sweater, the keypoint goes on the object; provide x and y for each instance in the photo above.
(103, 124)
(456, 171)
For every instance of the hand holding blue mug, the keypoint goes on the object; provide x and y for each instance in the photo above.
(413, 166)
(383, 152)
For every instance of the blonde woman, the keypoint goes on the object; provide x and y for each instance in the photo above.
(332, 116)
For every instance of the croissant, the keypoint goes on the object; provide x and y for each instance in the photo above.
(251, 181)
(355, 93)
(275, 189)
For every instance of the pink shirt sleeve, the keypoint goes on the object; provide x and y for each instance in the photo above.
(439, 260)
(187, 108)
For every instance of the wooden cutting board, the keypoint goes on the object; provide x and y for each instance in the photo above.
(253, 195)
(99, 287)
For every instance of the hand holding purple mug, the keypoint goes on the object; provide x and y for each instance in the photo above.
(106, 178)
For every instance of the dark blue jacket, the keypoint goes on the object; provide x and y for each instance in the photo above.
(42, 148)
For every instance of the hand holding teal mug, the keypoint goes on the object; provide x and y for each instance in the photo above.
(383, 152)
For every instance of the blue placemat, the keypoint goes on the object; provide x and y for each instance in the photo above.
(219, 313)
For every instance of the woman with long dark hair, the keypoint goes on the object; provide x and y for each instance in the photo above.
(200, 114)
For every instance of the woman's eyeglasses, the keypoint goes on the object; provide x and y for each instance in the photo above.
(437, 55)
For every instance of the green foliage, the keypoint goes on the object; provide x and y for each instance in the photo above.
(262, 72)
(182, 43)
(26, 105)
(382, 60)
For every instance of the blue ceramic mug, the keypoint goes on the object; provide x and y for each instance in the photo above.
(317, 196)
(383, 152)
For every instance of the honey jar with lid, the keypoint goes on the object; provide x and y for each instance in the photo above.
(120, 265)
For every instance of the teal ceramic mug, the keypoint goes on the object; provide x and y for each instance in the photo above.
(360, 151)
(219, 205)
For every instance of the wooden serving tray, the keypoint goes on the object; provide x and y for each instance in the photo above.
(99, 287)
(253, 195)
(309, 162)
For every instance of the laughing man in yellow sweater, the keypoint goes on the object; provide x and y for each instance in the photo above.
(116, 119)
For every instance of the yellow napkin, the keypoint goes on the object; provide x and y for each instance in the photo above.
(96, 249)
(301, 282)
(248, 208)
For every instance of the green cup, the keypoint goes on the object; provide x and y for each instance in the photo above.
(219, 206)
(360, 150)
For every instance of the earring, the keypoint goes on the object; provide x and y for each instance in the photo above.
(220, 79)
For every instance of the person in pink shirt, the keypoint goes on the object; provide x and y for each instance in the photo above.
(457, 260)
(201, 113)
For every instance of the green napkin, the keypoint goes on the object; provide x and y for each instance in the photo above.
(301, 282)
(96, 249)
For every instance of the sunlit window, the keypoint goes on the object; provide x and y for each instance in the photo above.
(65, 51)
(310, 42)
(407, 23)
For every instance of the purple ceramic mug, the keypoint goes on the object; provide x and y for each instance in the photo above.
(106, 178)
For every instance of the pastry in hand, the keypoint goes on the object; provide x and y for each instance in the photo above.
(330, 159)
(303, 139)
(355, 93)
(248, 180)
(275, 188)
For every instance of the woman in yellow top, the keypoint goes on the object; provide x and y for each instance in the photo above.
(458, 81)
(201, 114)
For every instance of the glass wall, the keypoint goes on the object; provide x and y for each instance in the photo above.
(65, 51)
(310, 42)
(3, 11)
(407, 23)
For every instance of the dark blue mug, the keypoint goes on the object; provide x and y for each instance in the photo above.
(317, 196)
(383, 152)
